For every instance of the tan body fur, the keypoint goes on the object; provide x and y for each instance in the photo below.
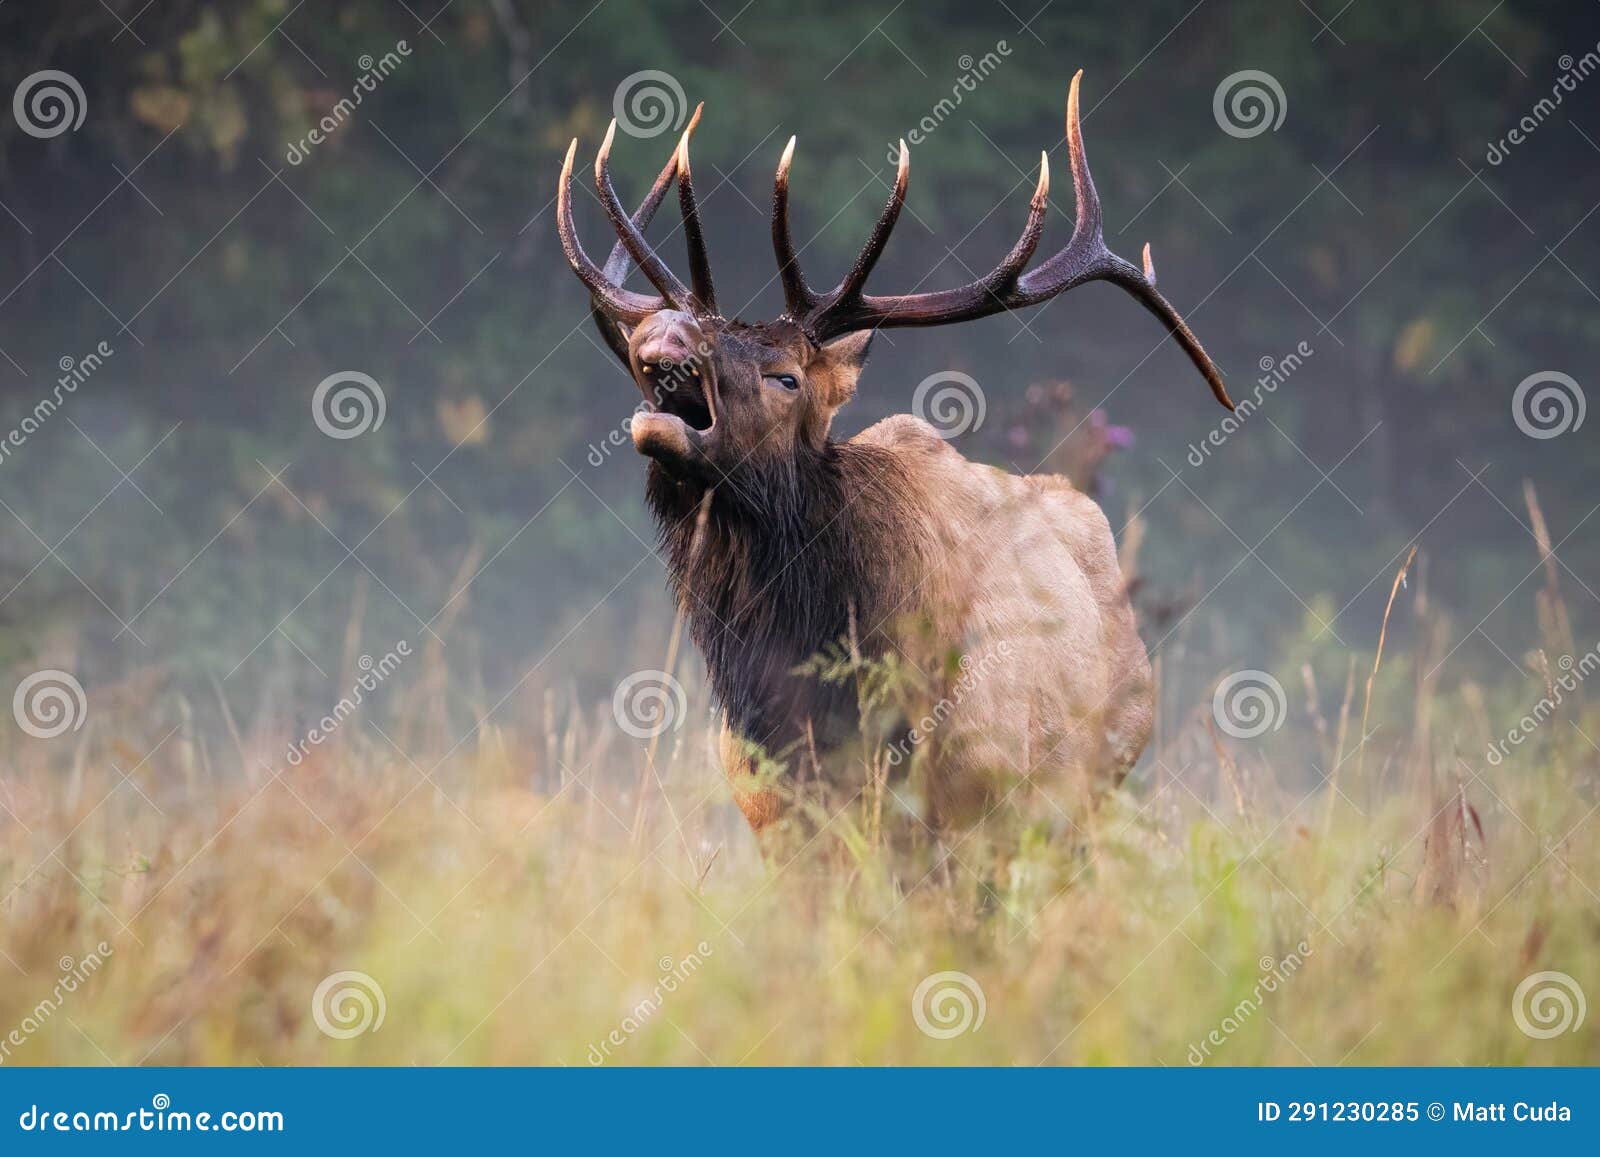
(1020, 575)
(780, 541)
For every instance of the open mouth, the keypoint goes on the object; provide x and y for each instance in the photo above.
(680, 393)
(682, 389)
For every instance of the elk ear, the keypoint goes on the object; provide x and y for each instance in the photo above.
(847, 357)
(616, 337)
(850, 351)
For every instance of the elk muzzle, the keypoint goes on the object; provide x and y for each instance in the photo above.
(675, 370)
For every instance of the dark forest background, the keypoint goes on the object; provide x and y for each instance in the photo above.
(181, 519)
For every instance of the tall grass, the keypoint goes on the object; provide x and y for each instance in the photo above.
(519, 901)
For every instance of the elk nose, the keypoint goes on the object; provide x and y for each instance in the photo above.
(674, 345)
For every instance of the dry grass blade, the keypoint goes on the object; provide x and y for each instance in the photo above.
(1377, 661)
(649, 770)
(1230, 770)
(1555, 624)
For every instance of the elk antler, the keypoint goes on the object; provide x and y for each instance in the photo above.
(605, 292)
(705, 297)
(846, 309)
(607, 295)
(615, 269)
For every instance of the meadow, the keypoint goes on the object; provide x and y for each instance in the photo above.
(1371, 880)
(1363, 848)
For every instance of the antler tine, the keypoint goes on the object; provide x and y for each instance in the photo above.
(624, 305)
(1094, 260)
(995, 292)
(675, 292)
(1143, 286)
(1084, 258)
(798, 297)
(1085, 255)
(850, 288)
(1006, 273)
(1088, 220)
(705, 294)
(616, 267)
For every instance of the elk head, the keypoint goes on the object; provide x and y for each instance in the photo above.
(724, 394)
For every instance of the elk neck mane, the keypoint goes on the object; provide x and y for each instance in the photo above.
(788, 551)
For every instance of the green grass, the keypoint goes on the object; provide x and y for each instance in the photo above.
(508, 925)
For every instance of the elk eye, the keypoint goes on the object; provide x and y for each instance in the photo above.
(787, 381)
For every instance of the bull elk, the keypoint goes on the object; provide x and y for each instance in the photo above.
(780, 541)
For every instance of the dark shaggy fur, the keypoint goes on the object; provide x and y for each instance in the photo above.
(787, 552)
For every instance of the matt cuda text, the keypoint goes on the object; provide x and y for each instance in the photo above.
(1521, 1111)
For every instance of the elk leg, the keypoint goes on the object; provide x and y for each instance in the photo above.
(761, 806)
